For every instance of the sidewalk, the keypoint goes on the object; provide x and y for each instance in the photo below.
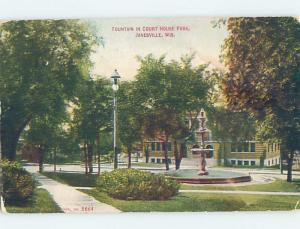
(71, 200)
(2, 207)
(244, 192)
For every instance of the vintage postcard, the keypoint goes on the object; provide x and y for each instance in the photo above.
(178, 114)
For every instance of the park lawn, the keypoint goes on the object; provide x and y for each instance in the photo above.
(198, 202)
(148, 165)
(41, 202)
(73, 179)
(276, 186)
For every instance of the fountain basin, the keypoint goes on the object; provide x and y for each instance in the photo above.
(190, 176)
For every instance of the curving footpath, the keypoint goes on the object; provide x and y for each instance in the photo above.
(71, 200)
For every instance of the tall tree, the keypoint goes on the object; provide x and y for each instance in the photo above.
(170, 94)
(44, 133)
(262, 56)
(129, 118)
(92, 114)
(42, 62)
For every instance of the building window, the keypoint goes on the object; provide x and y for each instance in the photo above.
(233, 147)
(232, 162)
(240, 147)
(246, 163)
(169, 160)
(153, 146)
(252, 147)
(158, 160)
(246, 147)
(169, 146)
(240, 162)
(268, 162)
(163, 160)
(158, 146)
(252, 163)
(163, 148)
(152, 160)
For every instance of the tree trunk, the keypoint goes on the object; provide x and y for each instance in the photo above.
(11, 128)
(290, 167)
(129, 157)
(147, 154)
(9, 141)
(182, 153)
(90, 157)
(281, 163)
(85, 156)
(98, 153)
(54, 160)
(166, 152)
(41, 159)
(176, 155)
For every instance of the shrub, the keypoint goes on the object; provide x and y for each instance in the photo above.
(131, 184)
(18, 184)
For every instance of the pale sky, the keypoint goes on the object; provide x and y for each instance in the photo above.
(121, 48)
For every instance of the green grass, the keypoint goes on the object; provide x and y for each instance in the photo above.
(41, 202)
(148, 165)
(276, 186)
(196, 202)
(73, 179)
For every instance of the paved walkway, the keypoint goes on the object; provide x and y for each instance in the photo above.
(71, 200)
(2, 207)
(244, 192)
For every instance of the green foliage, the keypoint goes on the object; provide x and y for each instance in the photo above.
(262, 56)
(130, 184)
(228, 125)
(129, 116)
(18, 184)
(169, 94)
(41, 67)
(92, 108)
(41, 202)
(176, 86)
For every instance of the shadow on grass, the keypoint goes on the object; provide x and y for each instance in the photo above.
(73, 179)
(41, 202)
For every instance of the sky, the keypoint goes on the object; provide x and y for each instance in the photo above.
(121, 45)
(120, 48)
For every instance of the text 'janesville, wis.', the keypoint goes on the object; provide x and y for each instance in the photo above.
(152, 31)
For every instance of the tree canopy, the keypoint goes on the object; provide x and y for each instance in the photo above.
(170, 94)
(42, 62)
(262, 56)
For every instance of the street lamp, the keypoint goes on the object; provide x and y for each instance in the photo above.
(115, 78)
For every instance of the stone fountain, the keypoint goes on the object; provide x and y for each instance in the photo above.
(194, 166)
(201, 152)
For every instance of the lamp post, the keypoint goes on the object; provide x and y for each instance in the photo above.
(115, 78)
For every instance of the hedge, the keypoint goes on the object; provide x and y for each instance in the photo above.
(131, 184)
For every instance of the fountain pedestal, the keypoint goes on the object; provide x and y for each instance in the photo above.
(202, 164)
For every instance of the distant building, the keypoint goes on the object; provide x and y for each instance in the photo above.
(30, 153)
(247, 153)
